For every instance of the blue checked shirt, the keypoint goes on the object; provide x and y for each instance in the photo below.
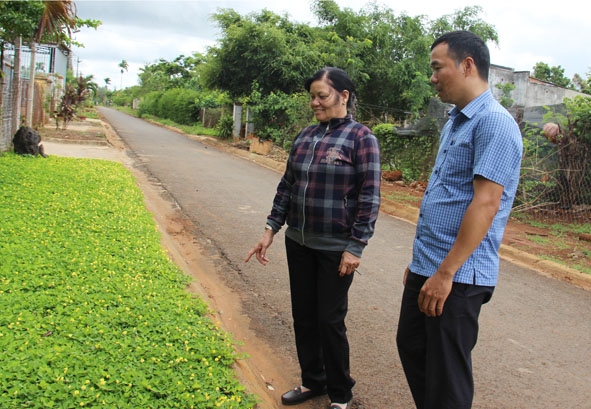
(481, 139)
(329, 195)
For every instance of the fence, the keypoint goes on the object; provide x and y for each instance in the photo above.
(50, 68)
(6, 106)
(555, 180)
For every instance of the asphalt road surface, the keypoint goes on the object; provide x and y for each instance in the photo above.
(534, 348)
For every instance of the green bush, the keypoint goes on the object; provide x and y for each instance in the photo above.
(413, 154)
(149, 104)
(225, 126)
(179, 105)
(279, 117)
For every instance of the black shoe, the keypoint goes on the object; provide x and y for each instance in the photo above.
(297, 396)
(333, 406)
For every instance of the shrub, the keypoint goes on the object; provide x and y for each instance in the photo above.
(179, 105)
(225, 126)
(279, 117)
(149, 104)
(409, 152)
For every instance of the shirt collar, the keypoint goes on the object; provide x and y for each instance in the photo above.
(334, 122)
(473, 106)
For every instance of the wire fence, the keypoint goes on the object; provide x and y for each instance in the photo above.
(555, 182)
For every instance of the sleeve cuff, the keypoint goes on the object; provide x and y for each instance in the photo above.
(355, 247)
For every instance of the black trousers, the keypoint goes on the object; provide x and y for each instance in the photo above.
(436, 352)
(319, 302)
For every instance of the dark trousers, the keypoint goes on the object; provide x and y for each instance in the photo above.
(436, 352)
(319, 302)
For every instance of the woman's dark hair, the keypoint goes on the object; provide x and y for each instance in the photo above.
(339, 80)
(462, 44)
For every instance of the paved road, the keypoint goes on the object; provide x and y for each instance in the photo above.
(534, 349)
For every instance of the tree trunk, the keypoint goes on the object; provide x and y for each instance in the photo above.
(2, 86)
(16, 97)
(31, 88)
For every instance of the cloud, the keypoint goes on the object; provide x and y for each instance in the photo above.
(143, 31)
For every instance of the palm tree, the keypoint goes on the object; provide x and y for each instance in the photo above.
(107, 82)
(124, 66)
(57, 16)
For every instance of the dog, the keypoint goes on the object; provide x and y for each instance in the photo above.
(27, 141)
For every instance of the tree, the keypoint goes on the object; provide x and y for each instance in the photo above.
(77, 90)
(385, 48)
(377, 47)
(18, 19)
(107, 82)
(182, 72)
(261, 47)
(582, 85)
(58, 19)
(386, 55)
(553, 75)
(124, 67)
(506, 90)
(468, 19)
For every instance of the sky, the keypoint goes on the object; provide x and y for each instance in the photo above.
(143, 31)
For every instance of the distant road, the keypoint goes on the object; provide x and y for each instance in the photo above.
(534, 349)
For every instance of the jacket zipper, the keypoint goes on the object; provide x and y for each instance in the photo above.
(316, 140)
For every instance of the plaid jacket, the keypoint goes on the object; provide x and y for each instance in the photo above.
(331, 185)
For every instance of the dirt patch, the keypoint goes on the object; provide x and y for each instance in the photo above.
(90, 131)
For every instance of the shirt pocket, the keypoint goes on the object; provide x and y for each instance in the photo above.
(458, 164)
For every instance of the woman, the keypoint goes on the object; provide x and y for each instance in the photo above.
(329, 196)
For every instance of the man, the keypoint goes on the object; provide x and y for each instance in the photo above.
(465, 208)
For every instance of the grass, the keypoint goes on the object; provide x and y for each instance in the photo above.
(88, 112)
(196, 129)
(404, 198)
(94, 313)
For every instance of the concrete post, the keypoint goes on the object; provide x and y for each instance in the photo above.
(237, 121)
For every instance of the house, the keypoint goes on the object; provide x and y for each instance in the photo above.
(51, 65)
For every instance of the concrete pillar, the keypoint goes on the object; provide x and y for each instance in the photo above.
(249, 124)
(237, 121)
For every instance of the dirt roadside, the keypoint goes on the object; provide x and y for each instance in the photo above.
(261, 372)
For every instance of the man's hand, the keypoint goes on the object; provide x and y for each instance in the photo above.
(434, 294)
